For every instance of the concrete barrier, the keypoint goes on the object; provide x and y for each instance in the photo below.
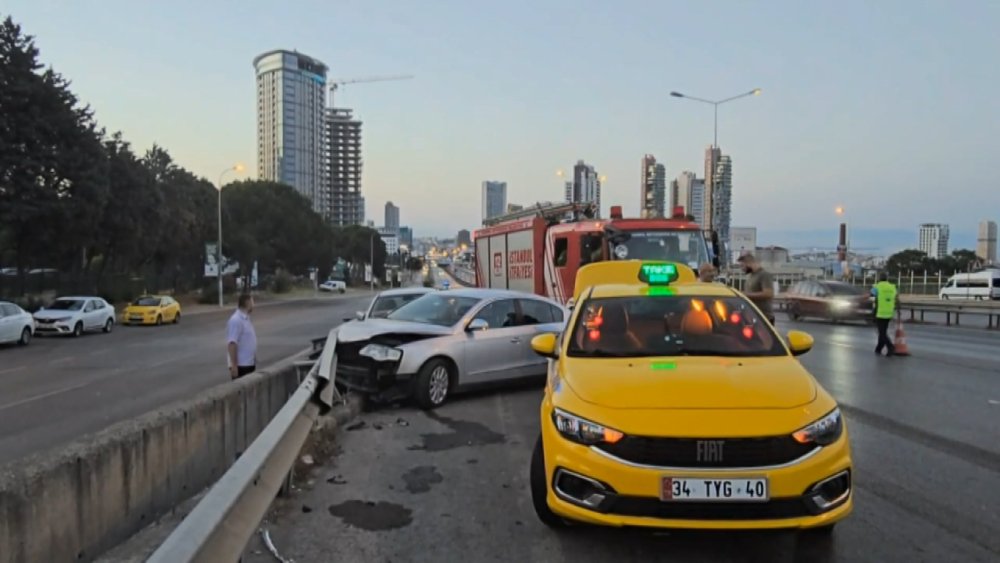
(74, 503)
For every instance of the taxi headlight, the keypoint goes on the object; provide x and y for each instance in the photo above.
(823, 432)
(583, 431)
(381, 353)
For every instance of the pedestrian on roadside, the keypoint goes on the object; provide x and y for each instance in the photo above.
(886, 300)
(760, 285)
(241, 339)
(707, 273)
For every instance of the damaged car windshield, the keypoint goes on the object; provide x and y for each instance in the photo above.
(442, 310)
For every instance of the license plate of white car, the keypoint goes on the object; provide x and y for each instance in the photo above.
(674, 489)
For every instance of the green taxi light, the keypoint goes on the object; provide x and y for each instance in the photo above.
(658, 274)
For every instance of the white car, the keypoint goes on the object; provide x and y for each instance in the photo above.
(75, 315)
(16, 325)
(333, 285)
(389, 300)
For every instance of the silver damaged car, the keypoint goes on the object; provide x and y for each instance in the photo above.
(444, 342)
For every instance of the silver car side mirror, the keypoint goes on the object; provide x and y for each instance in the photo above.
(477, 324)
(360, 315)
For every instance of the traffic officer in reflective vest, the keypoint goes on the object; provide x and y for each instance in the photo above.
(886, 299)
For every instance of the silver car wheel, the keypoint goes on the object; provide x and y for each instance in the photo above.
(439, 385)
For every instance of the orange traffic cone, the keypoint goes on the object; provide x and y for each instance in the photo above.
(900, 341)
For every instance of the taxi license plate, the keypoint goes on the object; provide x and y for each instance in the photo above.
(674, 489)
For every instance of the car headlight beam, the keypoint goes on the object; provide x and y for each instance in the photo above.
(583, 431)
(823, 432)
(381, 353)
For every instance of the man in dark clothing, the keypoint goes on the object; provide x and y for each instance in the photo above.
(760, 285)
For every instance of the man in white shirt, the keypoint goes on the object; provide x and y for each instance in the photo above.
(241, 339)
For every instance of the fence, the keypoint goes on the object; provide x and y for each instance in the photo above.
(909, 283)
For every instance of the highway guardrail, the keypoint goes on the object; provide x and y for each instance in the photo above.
(222, 523)
(952, 310)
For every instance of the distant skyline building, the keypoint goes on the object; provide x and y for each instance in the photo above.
(934, 240)
(391, 216)
(586, 186)
(494, 199)
(652, 187)
(712, 155)
(681, 192)
(291, 98)
(342, 168)
(391, 239)
(986, 243)
(698, 207)
(406, 237)
(722, 199)
(464, 237)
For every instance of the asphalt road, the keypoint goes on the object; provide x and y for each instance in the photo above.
(58, 388)
(451, 485)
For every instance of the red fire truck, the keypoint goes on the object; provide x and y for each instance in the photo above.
(539, 250)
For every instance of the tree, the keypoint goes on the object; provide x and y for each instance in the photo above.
(355, 244)
(908, 261)
(51, 170)
(274, 225)
(415, 264)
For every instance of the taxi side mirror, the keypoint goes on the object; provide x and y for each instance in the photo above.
(799, 342)
(545, 345)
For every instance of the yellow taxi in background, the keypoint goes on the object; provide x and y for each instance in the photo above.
(152, 310)
(673, 403)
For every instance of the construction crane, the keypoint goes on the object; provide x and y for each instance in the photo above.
(334, 84)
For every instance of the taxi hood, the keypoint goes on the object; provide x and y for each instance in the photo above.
(690, 382)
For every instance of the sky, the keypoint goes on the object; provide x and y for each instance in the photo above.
(888, 109)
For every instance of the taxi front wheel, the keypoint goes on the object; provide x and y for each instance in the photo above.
(540, 489)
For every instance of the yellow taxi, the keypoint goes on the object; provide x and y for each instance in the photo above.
(673, 403)
(152, 310)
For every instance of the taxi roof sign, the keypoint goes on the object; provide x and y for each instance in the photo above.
(658, 274)
(630, 272)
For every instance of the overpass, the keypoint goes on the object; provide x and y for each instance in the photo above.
(406, 485)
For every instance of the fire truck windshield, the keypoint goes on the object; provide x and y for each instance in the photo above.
(687, 246)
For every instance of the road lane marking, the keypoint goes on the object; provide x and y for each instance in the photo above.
(12, 370)
(43, 396)
(993, 402)
(62, 360)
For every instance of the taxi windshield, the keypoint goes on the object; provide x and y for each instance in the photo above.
(684, 246)
(671, 325)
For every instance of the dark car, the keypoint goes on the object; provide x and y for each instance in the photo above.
(832, 300)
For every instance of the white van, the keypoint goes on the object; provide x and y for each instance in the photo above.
(978, 285)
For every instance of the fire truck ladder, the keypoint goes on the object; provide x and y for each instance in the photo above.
(547, 211)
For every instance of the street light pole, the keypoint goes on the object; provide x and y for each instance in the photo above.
(218, 249)
(371, 278)
(716, 104)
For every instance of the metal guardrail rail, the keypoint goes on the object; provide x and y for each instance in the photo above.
(222, 523)
(952, 310)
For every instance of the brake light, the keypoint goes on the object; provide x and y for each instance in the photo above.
(748, 332)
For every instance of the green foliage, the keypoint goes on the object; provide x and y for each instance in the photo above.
(911, 260)
(355, 245)
(282, 282)
(415, 264)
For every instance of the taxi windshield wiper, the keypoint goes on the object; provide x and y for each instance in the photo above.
(707, 352)
(600, 353)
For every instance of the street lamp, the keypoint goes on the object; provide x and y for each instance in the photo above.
(218, 250)
(716, 104)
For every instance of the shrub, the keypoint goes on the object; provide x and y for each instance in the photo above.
(282, 283)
